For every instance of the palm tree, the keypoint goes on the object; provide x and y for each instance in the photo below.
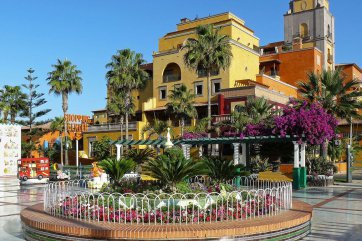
(255, 110)
(208, 52)
(157, 127)
(58, 125)
(116, 169)
(182, 105)
(116, 105)
(126, 75)
(140, 156)
(63, 80)
(336, 95)
(172, 168)
(13, 102)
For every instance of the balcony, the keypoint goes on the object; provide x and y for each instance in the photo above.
(171, 78)
(111, 127)
(222, 118)
(203, 73)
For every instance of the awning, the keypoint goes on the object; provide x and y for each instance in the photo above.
(144, 142)
(207, 141)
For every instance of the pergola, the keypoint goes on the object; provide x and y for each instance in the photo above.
(240, 144)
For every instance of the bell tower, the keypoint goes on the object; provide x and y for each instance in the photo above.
(313, 23)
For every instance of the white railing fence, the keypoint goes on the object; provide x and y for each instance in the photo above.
(72, 199)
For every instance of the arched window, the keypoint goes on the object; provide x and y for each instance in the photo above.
(329, 31)
(172, 73)
(304, 31)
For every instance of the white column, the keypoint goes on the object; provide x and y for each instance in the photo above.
(243, 153)
(296, 154)
(188, 147)
(236, 153)
(200, 151)
(118, 151)
(186, 150)
(302, 155)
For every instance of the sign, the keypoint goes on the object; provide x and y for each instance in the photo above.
(10, 148)
(77, 123)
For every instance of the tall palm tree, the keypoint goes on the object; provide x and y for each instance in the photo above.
(126, 75)
(13, 102)
(182, 105)
(58, 125)
(208, 52)
(116, 104)
(64, 80)
(337, 96)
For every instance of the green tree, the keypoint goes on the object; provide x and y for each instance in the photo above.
(208, 52)
(34, 100)
(126, 75)
(12, 102)
(140, 156)
(64, 80)
(116, 169)
(157, 127)
(116, 105)
(336, 95)
(57, 125)
(182, 105)
(172, 168)
(255, 110)
(102, 148)
(219, 169)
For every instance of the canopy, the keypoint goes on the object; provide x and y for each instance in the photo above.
(207, 141)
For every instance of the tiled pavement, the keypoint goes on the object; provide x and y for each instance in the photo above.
(13, 199)
(337, 214)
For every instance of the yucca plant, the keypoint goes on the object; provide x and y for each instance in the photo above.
(116, 169)
(172, 168)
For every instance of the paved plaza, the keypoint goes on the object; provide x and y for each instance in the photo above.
(337, 210)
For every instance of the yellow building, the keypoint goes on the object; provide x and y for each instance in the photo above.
(229, 87)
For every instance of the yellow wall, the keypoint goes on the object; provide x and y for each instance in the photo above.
(304, 5)
(245, 61)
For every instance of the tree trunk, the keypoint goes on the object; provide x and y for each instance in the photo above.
(182, 126)
(61, 149)
(209, 109)
(121, 121)
(65, 109)
(127, 112)
(209, 100)
(127, 116)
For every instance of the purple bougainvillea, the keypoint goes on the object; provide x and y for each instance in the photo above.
(312, 122)
(194, 135)
(257, 130)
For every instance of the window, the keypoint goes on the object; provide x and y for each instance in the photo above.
(130, 137)
(199, 88)
(216, 86)
(172, 73)
(163, 93)
(304, 32)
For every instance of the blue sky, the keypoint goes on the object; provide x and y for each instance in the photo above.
(34, 33)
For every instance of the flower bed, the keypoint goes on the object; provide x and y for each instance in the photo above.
(72, 202)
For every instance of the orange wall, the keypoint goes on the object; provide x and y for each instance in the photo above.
(350, 72)
(295, 65)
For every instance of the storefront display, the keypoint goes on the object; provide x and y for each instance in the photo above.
(10, 148)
